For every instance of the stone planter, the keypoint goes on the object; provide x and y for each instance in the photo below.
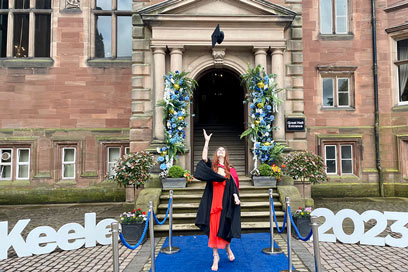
(263, 181)
(133, 232)
(303, 225)
(132, 193)
(170, 183)
(307, 192)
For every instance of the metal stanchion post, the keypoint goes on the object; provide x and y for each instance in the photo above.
(170, 249)
(316, 248)
(289, 234)
(271, 250)
(115, 246)
(151, 225)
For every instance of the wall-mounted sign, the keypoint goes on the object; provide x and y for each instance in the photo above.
(370, 237)
(45, 239)
(295, 124)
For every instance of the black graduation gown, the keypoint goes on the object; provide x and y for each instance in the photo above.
(230, 221)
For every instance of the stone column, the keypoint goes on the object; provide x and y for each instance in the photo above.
(176, 58)
(277, 68)
(159, 59)
(260, 56)
(176, 64)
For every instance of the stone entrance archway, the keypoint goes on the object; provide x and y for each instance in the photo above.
(218, 107)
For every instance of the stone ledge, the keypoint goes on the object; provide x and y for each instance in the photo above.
(109, 63)
(336, 37)
(400, 108)
(26, 62)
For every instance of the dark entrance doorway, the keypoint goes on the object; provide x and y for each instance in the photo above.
(218, 108)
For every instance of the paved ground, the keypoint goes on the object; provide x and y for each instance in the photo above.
(335, 256)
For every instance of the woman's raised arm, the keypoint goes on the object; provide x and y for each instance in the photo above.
(205, 149)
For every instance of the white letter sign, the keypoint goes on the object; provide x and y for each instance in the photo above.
(69, 236)
(359, 235)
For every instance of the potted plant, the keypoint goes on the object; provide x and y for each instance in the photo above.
(306, 167)
(177, 177)
(268, 175)
(133, 224)
(301, 218)
(132, 171)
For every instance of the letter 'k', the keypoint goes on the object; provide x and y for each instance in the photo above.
(13, 239)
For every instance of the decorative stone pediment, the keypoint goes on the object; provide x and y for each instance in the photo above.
(217, 8)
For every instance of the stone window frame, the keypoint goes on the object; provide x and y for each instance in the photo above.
(30, 60)
(14, 162)
(58, 153)
(124, 145)
(114, 13)
(18, 163)
(357, 151)
(402, 142)
(395, 73)
(348, 35)
(337, 72)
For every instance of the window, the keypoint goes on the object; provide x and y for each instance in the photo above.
(68, 162)
(6, 163)
(336, 92)
(113, 153)
(113, 29)
(334, 17)
(402, 64)
(23, 163)
(15, 163)
(339, 159)
(24, 40)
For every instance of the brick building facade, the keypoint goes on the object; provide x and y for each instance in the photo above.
(80, 80)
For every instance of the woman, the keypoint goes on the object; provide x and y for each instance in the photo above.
(219, 213)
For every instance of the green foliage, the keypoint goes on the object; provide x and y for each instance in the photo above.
(305, 165)
(265, 170)
(135, 216)
(176, 171)
(303, 212)
(133, 168)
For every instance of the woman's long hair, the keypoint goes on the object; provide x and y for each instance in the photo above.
(215, 163)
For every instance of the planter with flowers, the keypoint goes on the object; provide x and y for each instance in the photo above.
(263, 102)
(306, 167)
(177, 178)
(132, 171)
(133, 224)
(267, 176)
(178, 89)
(301, 218)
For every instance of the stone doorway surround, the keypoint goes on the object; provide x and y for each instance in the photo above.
(176, 35)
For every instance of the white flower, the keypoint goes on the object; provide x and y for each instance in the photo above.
(158, 150)
(252, 126)
(172, 81)
(267, 134)
(180, 128)
(261, 118)
(253, 116)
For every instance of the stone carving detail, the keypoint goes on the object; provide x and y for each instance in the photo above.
(72, 4)
(218, 55)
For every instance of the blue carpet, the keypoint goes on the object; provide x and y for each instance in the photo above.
(195, 255)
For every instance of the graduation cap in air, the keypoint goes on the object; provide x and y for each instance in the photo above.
(217, 36)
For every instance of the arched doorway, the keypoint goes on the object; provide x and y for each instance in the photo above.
(218, 107)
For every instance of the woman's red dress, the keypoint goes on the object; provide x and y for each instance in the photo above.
(216, 208)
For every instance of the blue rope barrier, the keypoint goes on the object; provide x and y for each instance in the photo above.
(165, 217)
(297, 231)
(141, 239)
(280, 230)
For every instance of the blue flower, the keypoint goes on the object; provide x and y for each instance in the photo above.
(173, 97)
(264, 148)
(173, 125)
(173, 140)
(186, 98)
(160, 159)
(272, 118)
(181, 82)
(252, 105)
(163, 166)
(164, 148)
(177, 72)
(269, 107)
(257, 145)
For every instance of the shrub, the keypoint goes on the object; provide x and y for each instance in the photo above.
(133, 169)
(305, 165)
(176, 172)
(265, 170)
